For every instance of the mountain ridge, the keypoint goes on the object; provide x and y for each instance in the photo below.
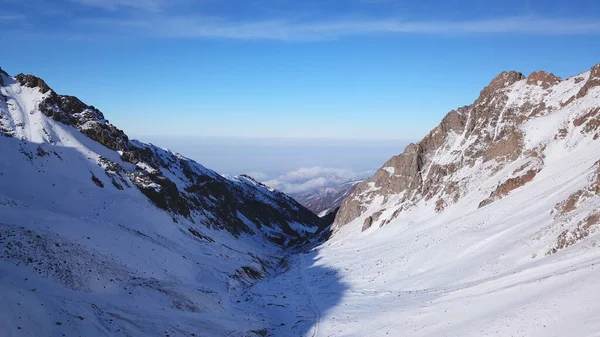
(118, 237)
(177, 198)
(488, 131)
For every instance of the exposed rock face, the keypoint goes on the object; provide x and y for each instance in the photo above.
(592, 81)
(367, 223)
(490, 134)
(543, 79)
(33, 82)
(487, 150)
(590, 122)
(2, 72)
(579, 198)
(581, 230)
(505, 188)
(409, 163)
(175, 183)
(370, 220)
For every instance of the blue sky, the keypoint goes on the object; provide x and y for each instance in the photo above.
(280, 68)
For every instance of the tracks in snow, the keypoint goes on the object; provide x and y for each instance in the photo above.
(311, 299)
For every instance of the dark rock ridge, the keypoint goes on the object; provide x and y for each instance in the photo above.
(31, 81)
(479, 139)
(238, 205)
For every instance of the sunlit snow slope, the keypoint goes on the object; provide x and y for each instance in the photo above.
(487, 227)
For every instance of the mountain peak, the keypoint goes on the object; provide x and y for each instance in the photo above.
(32, 81)
(506, 78)
(2, 72)
(595, 72)
(543, 78)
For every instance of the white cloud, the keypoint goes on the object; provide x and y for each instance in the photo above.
(309, 178)
(11, 17)
(282, 29)
(146, 5)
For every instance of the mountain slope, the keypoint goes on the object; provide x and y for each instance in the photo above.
(106, 236)
(488, 226)
(325, 200)
(501, 142)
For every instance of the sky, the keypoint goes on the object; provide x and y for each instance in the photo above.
(381, 70)
(282, 68)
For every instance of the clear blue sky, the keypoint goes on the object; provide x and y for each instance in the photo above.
(283, 68)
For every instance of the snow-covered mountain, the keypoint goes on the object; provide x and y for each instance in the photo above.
(325, 200)
(106, 236)
(486, 227)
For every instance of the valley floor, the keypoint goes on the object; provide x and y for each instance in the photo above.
(288, 302)
(345, 289)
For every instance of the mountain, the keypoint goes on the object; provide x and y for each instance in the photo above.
(487, 226)
(102, 235)
(502, 142)
(325, 200)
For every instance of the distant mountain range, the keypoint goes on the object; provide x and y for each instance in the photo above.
(325, 200)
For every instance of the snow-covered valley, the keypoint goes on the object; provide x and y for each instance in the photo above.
(487, 227)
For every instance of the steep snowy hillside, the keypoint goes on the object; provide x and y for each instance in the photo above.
(325, 200)
(106, 236)
(487, 227)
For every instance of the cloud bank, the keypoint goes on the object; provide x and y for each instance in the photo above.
(310, 178)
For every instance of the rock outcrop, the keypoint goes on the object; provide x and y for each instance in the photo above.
(543, 79)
